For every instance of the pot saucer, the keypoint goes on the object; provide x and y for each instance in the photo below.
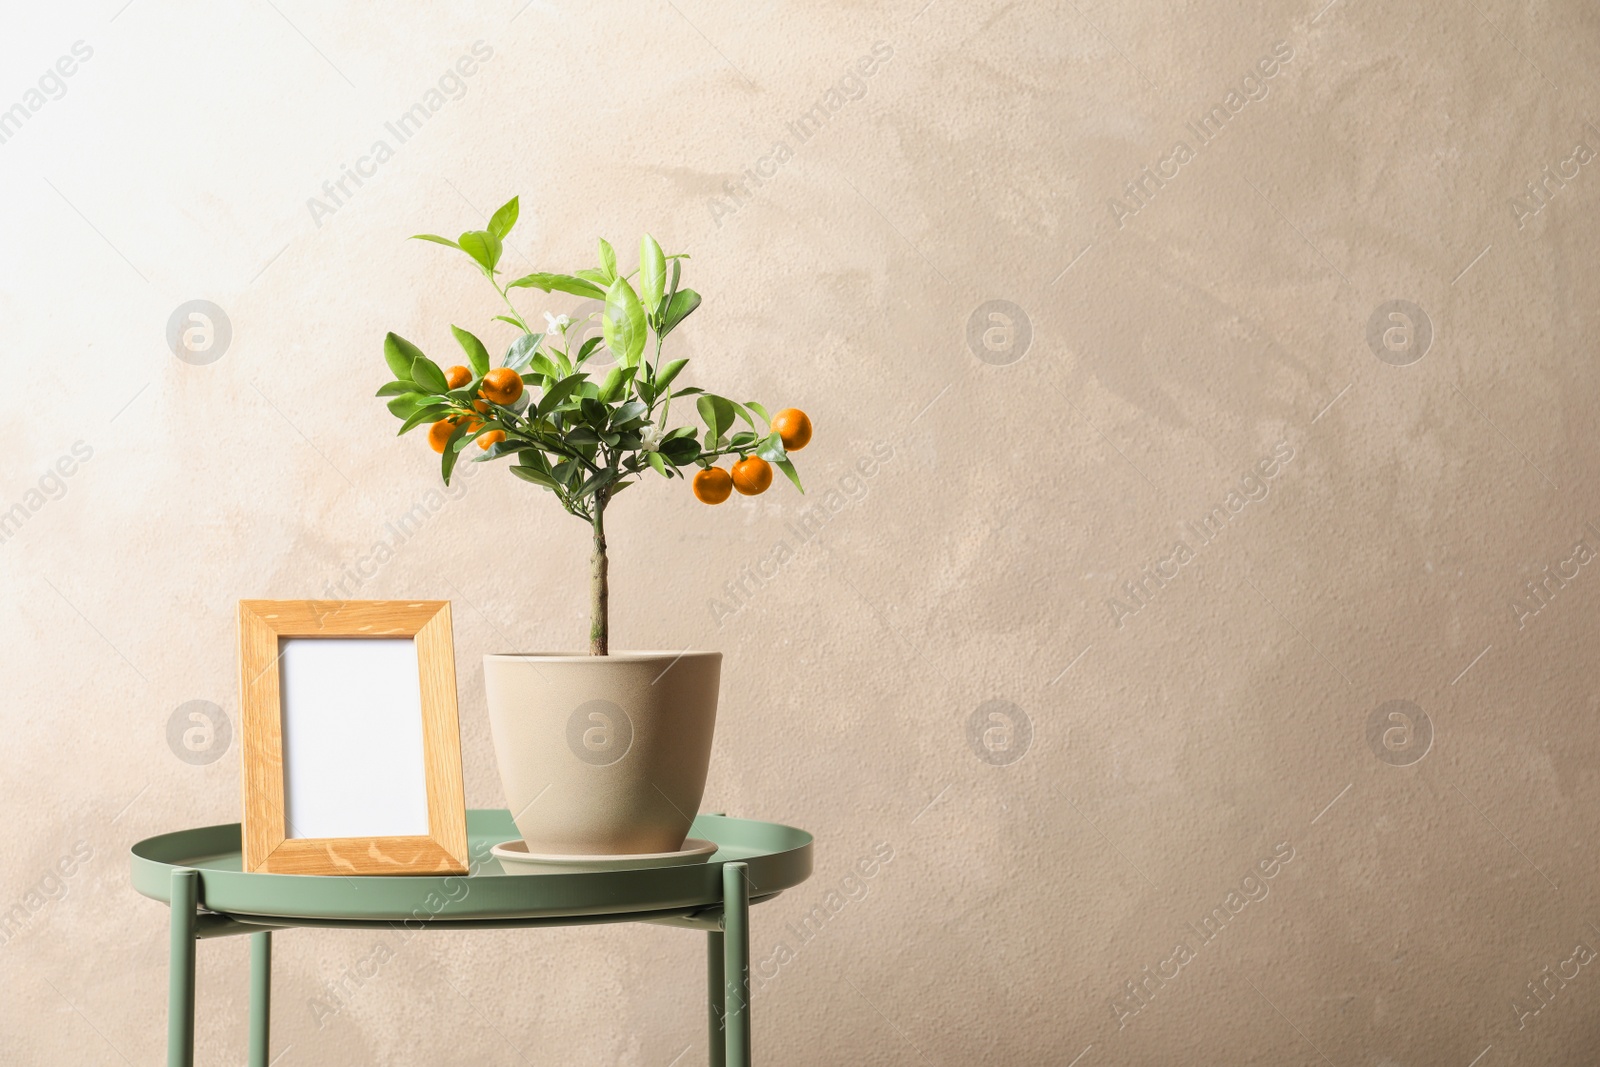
(515, 858)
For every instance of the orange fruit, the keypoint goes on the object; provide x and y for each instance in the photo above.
(439, 434)
(457, 376)
(712, 485)
(493, 437)
(502, 385)
(752, 475)
(794, 427)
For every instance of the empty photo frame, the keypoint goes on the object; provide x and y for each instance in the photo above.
(349, 739)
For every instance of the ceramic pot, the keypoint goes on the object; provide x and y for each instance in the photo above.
(603, 755)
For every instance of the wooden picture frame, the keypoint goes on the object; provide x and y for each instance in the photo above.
(355, 695)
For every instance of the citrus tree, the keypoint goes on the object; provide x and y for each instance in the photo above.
(587, 433)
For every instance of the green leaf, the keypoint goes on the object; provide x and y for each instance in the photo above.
(426, 413)
(564, 283)
(611, 386)
(558, 393)
(759, 410)
(536, 476)
(596, 483)
(652, 273)
(512, 321)
(717, 413)
(658, 463)
(595, 413)
(435, 238)
(504, 218)
(452, 451)
(477, 355)
(399, 354)
(395, 389)
(620, 486)
(708, 415)
(588, 348)
(598, 277)
(681, 450)
(788, 468)
(426, 373)
(623, 323)
(742, 439)
(482, 246)
(772, 451)
(624, 414)
(616, 383)
(405, 405)
(665, 375)
(608, 260)
(684, 301)
(522, 351)
(672, 290)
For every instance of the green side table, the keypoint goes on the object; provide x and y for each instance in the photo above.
(197, 873)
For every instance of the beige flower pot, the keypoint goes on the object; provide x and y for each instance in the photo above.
(603, 755)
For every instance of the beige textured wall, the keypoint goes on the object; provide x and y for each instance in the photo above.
(1201, 345)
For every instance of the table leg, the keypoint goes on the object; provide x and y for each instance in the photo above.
(260, 997)
(736, 962)
(716, 998)
(180, 968)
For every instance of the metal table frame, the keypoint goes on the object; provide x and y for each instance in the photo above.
(714, 897)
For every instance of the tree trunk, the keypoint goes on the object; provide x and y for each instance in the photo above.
(599, 588)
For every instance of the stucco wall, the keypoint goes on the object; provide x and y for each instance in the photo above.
(1069, 772)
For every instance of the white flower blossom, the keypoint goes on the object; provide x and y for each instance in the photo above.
(556, 323)
(650, 438)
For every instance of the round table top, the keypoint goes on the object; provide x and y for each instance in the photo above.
(778, 858)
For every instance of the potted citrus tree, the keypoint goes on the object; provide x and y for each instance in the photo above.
(604, 752)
